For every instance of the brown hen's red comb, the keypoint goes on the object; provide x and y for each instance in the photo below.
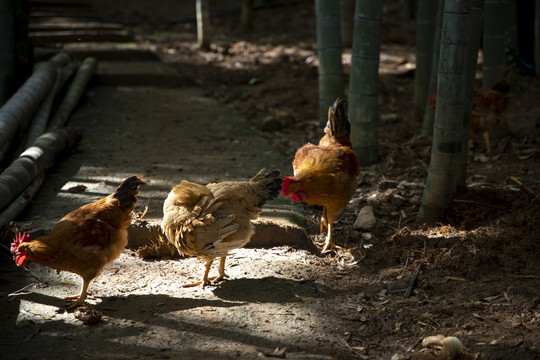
(19, 239)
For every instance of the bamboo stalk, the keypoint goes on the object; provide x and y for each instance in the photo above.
(364, 80)
(42, 116)
(18, 205)
(19, 108)
(429, 112)
(20, 121)
(331, 78)
(447, 146)
(74, 93)
(33, 161)
(425, 34)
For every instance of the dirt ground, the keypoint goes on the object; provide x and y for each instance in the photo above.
(478, 279)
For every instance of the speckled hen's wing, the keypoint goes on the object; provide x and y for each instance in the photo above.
(190, 223)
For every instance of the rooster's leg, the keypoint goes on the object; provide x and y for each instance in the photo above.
(207, 264)
(221, 270)
(324, 220)
(81, 297)
(329, 243)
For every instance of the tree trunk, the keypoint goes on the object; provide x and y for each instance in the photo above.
(448, 129)
(537, 38)
(429, 112)
(425, 33)
(7, 49)
(474, 30)
(494, 42)
(331, 79)
(364, 82)
(203, 24)
(347, 22)
(247, 15)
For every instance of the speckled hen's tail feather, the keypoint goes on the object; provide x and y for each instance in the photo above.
(127, 191)
(272, 185)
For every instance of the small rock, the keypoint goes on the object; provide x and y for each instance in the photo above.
(254, 81)
(366, 219)
(88, 316)
(360, 296)
(77, 189)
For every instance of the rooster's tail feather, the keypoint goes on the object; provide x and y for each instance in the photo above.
(338, 125)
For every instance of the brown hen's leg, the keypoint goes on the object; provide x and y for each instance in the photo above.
(485, 134)
(204, 282)
(80, 298)
(221, 270)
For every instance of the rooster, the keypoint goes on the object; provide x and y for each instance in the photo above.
(85, 240)
(325, 174)
(209, 221)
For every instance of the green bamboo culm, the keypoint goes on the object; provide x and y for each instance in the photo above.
(447, 145)
(364, 81)
(203, 24)
(474, 39)
(7, 49)
(429, 111)
(494, 42)
(347, 22)
(537, 40)
(331, 78)
(426, 22)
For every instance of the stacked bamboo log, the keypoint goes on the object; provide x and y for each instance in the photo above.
(33, 131)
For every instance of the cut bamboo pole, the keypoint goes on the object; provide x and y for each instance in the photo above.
(18, 205)
(16, 116)
(33, 161)
(20, 107)
(74, 93)
(42, 116)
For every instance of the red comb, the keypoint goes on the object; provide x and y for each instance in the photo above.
(19, 239)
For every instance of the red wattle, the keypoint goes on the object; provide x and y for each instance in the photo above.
(21, 259)
(298, 196)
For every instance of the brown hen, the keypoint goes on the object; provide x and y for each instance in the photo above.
(85, 240)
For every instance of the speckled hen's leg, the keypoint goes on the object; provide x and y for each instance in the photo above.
(222, 274)
(204, 282)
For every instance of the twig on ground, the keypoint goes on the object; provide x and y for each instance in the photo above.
(479, 203)
(413, 281)
(524, 188)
